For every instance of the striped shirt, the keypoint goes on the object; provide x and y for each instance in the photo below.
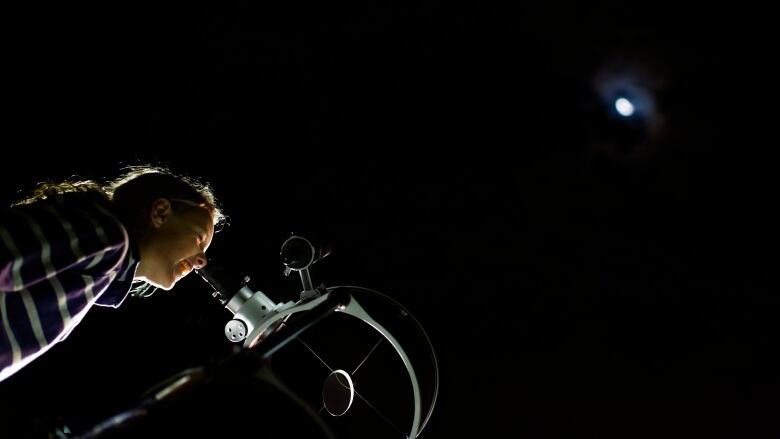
(58, 257)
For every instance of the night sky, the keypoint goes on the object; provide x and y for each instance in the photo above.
(578, 271)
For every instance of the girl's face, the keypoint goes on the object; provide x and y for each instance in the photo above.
(179, 234)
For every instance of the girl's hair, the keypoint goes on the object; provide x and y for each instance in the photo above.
(135, 190)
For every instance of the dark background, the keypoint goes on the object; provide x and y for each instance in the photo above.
(578, 273)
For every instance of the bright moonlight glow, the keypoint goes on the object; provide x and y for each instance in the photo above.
(624, 107)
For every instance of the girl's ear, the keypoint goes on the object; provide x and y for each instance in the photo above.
(161, 209)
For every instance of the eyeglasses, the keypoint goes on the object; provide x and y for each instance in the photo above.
(217, 227)
(189, 202)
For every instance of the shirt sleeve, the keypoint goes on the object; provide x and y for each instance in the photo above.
(56, 259)
(42, 240)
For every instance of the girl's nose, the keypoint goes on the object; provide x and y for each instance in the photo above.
(200, 261)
